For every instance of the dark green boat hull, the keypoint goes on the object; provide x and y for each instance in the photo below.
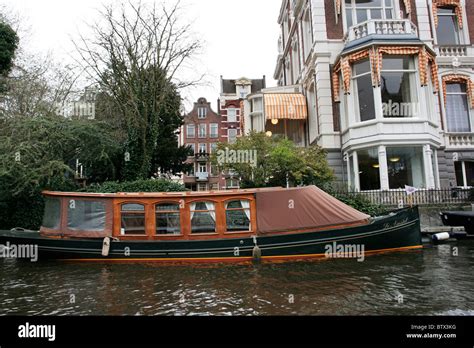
(397, 231)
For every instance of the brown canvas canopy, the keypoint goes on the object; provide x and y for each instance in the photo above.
(303, 208)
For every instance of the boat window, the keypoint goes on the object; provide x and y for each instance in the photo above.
(133, 219)
(168, 219)
(203, 217)
(86, 215)
(52, 213)
(238, 216)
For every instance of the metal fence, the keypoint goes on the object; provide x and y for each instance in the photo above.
(421, 197)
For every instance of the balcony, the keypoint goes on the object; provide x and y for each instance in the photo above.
(202, 177)
(383, 27)
(453, 50)
(460, 141)
(202, 157)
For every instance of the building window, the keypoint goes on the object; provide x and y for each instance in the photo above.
(133, 219)
(232, 134)
(405, 167)
(238, 216)
(358, 11)
(191, 170)
(193, 148)
(203, 217)
(464, 174)
(202, 148)
(190, 131)
(202, 130)
(364, 91)
(86, 216)
(202, 187)
(167, 219)
(231, 115)
(369, 169)
(213, 147)
(398, 87)
(457, 108)
(202, 168)
(232, 184)
(202, 113)
(448, 28)
(214, 170)
(214, 130)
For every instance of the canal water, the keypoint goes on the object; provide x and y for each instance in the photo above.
(438, 280)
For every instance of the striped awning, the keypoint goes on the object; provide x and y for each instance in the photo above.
(285, 106)
(454, 3)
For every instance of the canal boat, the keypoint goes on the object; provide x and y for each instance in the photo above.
(459, 219)
(234, 226)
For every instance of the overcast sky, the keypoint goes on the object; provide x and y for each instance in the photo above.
(240, 35)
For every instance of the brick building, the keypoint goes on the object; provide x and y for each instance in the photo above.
(202, 131)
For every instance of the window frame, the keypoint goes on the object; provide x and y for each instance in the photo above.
(234, 117)
(214, 126)
(355, 93)
(202, 112)
(202, 135)
(188, 133)
(145, 215)
(459, 31)
(216, 225)
(179, 211)
(395, 13)
(225, 203)
(236, 135)
(469, 110)
(414, 84)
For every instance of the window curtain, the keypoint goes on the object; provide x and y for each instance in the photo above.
(210, 206)
(457, 114)
(246, 206)
(456, 78)
(457, 7)
(192, 209)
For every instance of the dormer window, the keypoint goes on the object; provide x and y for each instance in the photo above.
(358, 11)
(202, 112)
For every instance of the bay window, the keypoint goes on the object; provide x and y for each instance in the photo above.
(448, 28)
(358, 11)
(457, 108)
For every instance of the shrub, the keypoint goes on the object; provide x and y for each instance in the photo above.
(361, 203)
(159, 185)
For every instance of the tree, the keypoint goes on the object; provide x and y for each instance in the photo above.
(40, 153)
(278, 162)
(8, 45)
(135, 56)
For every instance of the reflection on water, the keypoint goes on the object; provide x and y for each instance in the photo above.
(430, 282)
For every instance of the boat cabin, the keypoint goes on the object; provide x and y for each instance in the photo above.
(193, 215)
